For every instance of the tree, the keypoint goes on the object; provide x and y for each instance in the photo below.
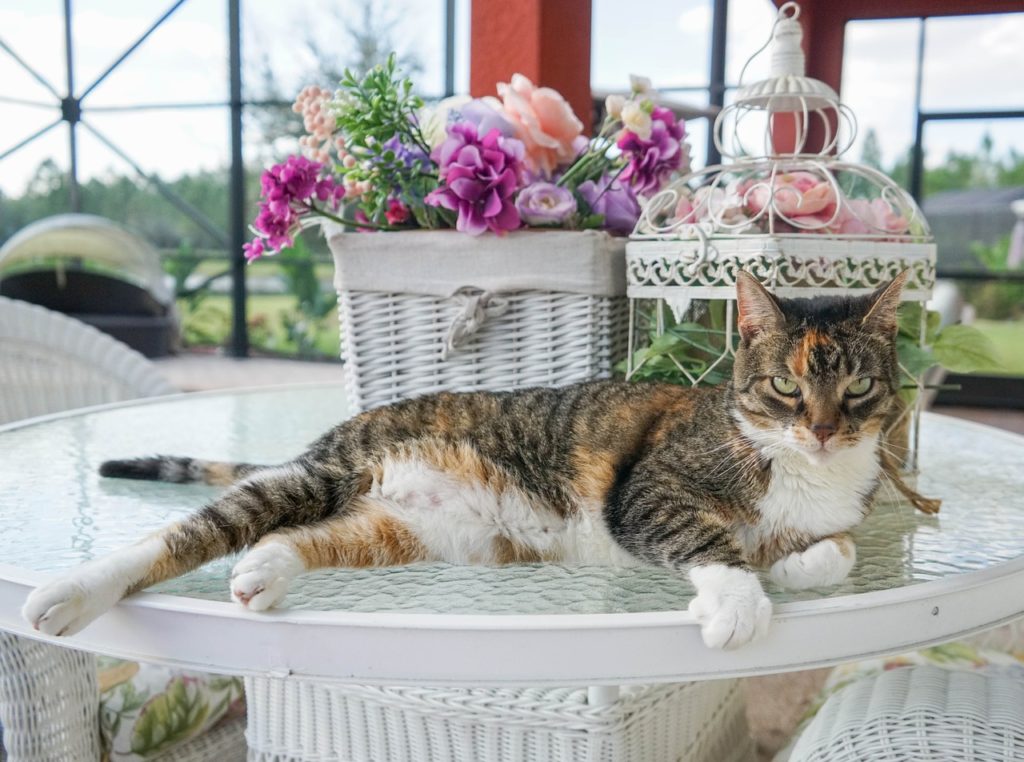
(371, 34)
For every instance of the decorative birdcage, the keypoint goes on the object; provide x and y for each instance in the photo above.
(786, 207)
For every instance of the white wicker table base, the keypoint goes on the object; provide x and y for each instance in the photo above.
(920, 713)
(306, 721)
(49, 709)
(49, 702)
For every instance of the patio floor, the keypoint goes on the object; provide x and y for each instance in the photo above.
(774, 703)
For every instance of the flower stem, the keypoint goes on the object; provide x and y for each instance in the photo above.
(348, 223)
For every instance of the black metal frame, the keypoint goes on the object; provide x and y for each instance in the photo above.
(916, 179)
(71, 111)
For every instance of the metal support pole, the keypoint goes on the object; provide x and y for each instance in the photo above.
(70, 111)
(917, 152)
(449, 47)
(239, 329)
(716, 88)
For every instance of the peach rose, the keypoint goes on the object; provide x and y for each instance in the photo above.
(544, 121)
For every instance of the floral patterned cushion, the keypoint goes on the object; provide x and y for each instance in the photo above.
(147, 709)
(1002, 647)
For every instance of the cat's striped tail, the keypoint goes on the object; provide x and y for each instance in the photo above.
(168, 468)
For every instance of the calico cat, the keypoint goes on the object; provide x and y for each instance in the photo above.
(770, 471)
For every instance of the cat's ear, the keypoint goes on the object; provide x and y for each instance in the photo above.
(758, 309)
(885, 302)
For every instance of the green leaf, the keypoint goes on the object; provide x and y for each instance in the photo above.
(914, 358)
(965, 349)
(910, 322)
(172, 717)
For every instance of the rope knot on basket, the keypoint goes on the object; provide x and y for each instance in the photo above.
(475, 307)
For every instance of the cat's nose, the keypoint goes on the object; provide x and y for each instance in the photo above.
(823, 431)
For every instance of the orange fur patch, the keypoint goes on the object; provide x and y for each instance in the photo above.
(367, 536)
(810, 340)
(507, 551)
(595, 472)
(221, 474)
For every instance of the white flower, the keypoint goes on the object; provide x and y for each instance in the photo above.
(636, 119)
(434, 120)
(613, 105)
(640, 85)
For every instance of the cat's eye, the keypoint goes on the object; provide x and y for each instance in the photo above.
(860, 387)
(787, 387)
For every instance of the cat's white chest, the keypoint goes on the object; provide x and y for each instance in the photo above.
(818, 499)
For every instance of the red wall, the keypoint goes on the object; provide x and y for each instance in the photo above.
(546, 40)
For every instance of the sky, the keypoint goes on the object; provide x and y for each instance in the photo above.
(666, 40)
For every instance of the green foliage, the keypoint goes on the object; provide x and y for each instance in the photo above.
(695, 347)
(370, 111)
(304, 326)
(170, 718)
(688, 345)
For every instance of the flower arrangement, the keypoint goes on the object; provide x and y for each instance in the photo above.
(375, 157)
(797, 201)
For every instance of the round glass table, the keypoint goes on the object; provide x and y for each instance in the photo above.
(918, 579)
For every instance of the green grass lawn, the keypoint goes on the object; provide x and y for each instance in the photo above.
(1008, 338)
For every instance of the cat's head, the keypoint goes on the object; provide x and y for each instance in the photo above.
(815, 376)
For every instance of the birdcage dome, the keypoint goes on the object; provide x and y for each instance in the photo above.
(786, 204)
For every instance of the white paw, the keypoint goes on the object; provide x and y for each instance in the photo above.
(413, 484)
(730, 605)
(67, 604)
(823, 564)
(260, 580)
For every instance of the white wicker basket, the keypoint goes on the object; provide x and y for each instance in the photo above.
(920, 713)
(298, 720)
(428, 311)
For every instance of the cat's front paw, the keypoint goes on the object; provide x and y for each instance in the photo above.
(261, 579)
(67, 604)
(730, 605)
(825, 563)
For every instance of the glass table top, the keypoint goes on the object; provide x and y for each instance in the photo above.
(55, 512)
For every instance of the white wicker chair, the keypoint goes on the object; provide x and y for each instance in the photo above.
(49, 697)
(920, 713)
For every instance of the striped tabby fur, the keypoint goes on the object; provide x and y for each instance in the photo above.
(770, 471)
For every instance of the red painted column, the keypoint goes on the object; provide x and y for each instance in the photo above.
(545, 40)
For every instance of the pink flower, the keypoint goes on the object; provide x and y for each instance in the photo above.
(479, 176)
(288, 192)
(802, 198)
(397, 212)
(860, 216)
(654, 157)
(544, 122)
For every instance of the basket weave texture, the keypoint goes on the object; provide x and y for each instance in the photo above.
(293, 720)
(561, 320)
(920, 713)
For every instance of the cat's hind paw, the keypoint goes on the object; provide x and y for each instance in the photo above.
(261, 579)
(825, 563)
(730, 605)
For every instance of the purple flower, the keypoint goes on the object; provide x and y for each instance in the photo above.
(486, 118)
(545, 204)
(404, 155)
(613, 199)
(652, 160)
(288, 192)
(479, 176)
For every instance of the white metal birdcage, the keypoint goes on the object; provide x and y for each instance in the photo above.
(786, 207)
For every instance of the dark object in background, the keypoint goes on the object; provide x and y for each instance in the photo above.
(93, 270)
(123, 310)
